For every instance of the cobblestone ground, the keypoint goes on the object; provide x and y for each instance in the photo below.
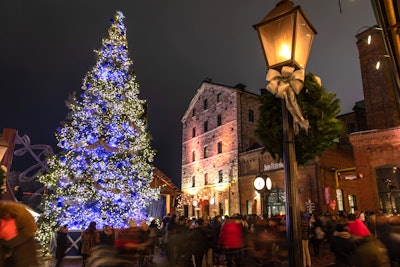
(325, 258)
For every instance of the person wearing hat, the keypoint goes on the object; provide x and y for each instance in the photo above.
(62, 244)
(370, 252)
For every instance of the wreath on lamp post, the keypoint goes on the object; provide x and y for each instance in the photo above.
(319, 107)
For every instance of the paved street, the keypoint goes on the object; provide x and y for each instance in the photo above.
(324, 259)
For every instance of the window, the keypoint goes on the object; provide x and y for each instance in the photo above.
(194, 112)
(206, 152)
(206, 179)
(218, 97)
(193, 156)
(205, 104)
(251, 115)
(220, 178)
(219, 147)
(194, 132)
(193, 182)
(219, 120)
(206, 126)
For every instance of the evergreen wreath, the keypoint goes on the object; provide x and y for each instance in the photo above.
(318, 106)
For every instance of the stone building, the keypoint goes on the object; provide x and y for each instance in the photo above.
(218, 125)
(221, 157)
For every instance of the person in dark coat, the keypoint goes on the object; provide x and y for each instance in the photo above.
(342, 246)
(198, 241)
(89, 238)
(107, 236)
(62, 244)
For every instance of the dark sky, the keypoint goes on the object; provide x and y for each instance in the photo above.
(46, 49)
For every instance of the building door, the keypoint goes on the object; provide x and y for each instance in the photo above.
(275, 203)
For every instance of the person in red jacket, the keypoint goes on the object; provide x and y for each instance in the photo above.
(17, 236)
(231, 240)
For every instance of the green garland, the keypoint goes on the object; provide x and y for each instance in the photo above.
(318, 106)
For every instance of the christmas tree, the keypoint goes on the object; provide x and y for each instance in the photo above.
(104, 170)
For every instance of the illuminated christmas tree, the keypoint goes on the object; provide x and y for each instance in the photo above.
(104, 170)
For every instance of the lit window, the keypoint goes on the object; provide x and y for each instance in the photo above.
(206, 152)
(220, 179)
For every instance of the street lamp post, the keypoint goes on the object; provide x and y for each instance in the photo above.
(286, 37)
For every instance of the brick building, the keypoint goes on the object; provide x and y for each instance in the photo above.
(376, 150)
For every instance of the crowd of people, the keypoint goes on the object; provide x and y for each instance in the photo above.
(360, 239)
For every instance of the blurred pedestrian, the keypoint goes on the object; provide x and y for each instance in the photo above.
(317, 236)
(393, 243)
(231, 240)
(62, 244)
(107, 236)
(370, 252)
(17, 236)
(342, 246)
(305, 237)
(198, 242)
(89, 238)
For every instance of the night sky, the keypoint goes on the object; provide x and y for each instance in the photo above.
(47, 48)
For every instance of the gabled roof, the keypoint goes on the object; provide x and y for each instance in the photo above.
(238, 87)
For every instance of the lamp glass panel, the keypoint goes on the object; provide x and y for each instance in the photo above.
(277, 40)
(3, 150)
(303, 41)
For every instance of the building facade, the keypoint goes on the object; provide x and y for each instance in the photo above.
(221, 156)
(218, 125)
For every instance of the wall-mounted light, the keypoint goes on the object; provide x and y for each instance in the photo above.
(212, 200)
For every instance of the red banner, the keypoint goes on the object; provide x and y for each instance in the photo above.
(327, 195)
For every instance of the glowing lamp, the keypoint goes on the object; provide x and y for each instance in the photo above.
(3, 148)
(286, 36)
(212, 201)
